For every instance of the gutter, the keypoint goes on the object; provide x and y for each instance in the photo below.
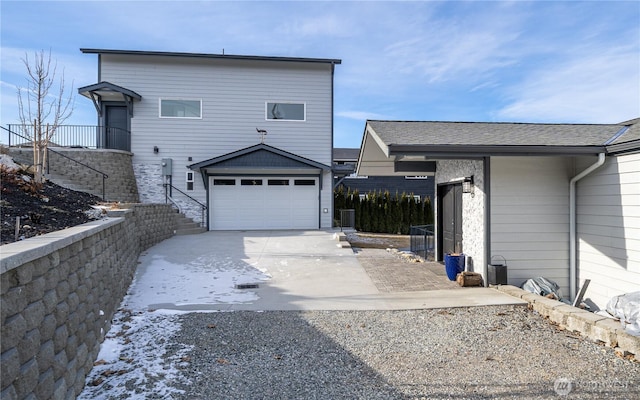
(572, 222)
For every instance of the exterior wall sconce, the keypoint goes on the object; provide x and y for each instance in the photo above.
(468, 186)
(155, 150)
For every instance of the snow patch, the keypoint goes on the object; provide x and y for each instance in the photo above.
(7, 162)
(206, 280)
(136, 360)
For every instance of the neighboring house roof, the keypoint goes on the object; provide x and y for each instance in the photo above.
(345, 154)
(211, 56)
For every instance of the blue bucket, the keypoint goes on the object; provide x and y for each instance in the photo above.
(453, 264)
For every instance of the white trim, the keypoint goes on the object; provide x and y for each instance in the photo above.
(160, 99)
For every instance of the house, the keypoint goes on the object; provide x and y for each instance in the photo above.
(244, 140)
(560, 201)
(344, 165)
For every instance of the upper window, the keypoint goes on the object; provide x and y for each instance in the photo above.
(180, 108)
(286, 111)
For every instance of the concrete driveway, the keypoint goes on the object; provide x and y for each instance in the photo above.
(293, 270)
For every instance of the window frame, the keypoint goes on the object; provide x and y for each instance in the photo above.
(161, 99)
(189, 179)
(302, 103)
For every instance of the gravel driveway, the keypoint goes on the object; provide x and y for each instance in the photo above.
(476, 353)
(487, 352)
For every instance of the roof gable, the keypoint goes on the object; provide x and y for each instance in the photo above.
(260, 156)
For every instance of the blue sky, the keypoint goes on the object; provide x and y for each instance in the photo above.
(542, 61)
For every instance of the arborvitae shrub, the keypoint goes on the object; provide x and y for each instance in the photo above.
(382, 212)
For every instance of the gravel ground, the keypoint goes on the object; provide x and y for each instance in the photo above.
(504, 352)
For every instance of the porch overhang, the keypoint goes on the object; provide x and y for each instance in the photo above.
(260, 159)
(107, 91)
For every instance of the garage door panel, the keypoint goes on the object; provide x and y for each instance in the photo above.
(263, 203)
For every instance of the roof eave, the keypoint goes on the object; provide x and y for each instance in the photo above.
(460, 150)
(332, 61)
(632, 146)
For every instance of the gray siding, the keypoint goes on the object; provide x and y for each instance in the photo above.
(530, 217)
(609, 228)
(233, 95)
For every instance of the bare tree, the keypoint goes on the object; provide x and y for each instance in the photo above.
(43, 105)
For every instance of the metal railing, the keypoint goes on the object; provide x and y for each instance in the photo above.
(168, 197)
(77, 136)
(347, 219)
(422, 241)
(104, 176)
(49, 151)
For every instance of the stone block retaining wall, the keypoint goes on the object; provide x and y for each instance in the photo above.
(596, 327)
(59, 293)
(119, 186)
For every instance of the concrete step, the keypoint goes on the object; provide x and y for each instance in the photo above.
(191, 231)
(186, 226)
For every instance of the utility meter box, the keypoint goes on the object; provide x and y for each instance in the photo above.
(167, 167)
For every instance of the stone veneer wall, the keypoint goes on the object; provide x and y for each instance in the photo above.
(151, 189)
(119, 186)
(59, 293)
(473, 212)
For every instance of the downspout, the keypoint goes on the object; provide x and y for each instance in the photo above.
(572, 222)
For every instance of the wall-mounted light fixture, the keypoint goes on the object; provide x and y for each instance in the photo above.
(468, 186)
(155, 149)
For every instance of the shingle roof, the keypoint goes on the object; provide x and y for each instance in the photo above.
(633, 133)
(492, 134)
(345, 154)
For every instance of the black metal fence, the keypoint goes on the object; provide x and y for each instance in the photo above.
(84, 136)
(347, 219)
(423, 241)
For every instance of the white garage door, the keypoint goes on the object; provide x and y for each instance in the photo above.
(263, 203)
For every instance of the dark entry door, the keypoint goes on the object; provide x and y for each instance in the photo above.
(117, 128)
(451, 220)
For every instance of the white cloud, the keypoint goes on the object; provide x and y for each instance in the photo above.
(360, 115)
(599, 87)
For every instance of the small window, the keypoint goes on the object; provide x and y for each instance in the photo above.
(416, 198)
(224, 182)
(189, 180)
(305, 182)
(278, 182)
(251, 182)
(179, 108)
(285, 111)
